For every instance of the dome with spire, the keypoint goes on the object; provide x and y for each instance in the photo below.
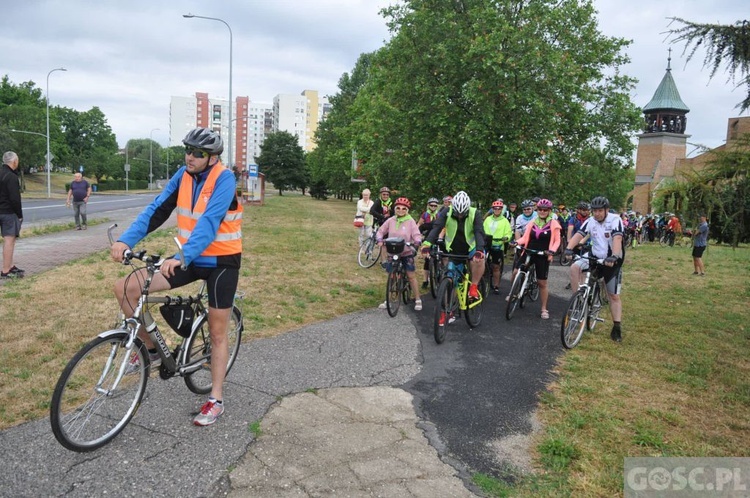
(666, 111)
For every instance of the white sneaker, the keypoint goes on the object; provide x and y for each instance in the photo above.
(418, 305)
(382, 305)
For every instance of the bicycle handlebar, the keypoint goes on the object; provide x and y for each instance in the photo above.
(143, 255)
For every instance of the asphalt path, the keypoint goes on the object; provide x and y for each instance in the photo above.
(480, 387)
(476, 392)
(40, 211)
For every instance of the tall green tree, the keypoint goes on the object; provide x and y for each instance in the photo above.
(87, 136)
(495, 97)
(726, 46)
(282, 160)
(330, 162)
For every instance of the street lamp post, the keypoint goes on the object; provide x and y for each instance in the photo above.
(151, 159)
(49, 160)
(229, 148)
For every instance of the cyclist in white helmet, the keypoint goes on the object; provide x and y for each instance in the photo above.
(464, 234)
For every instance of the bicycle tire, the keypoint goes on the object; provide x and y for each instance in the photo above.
(369, 253)
(474, 314)
(663, 240)
(595, 308)
(434, 276)
(443, 307)
(603, 295)
(574, 320)
(514, 298)
(533, 286)
(84, 419)
(563, 260)
(393, 290)
(199, 346)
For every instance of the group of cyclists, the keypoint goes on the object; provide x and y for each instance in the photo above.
(460, 229)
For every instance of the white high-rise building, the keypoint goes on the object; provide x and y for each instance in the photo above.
(186, 113)
(259, 124)
(290, 115)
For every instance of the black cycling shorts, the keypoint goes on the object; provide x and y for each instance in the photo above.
(221, 283)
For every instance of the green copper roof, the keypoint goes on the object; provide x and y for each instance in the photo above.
(666, 96)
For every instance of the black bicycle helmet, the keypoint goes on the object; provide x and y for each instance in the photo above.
(600, 202)
(528, 203)
(204, 139)
(583, 206)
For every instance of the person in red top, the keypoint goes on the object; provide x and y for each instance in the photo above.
(542, 234)
(674, 227)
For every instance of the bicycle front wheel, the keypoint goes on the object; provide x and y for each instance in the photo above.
(369, 253)
(98, 392)
(393, 289)
(595, 308)
(514, 298)
(474, 313)
(199, 352)
(443, 309)
(434, 276)
(574, 320)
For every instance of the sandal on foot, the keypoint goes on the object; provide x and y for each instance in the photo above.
(545, 314)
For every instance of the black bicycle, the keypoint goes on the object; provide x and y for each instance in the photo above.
(102, 386)
(397, 287)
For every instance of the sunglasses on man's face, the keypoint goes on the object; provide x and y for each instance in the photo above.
(197, 153)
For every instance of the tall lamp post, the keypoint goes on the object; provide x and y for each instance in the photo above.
(151, 159)
(49, 161)
(190, 16)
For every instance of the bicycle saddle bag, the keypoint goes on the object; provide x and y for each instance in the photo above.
(179, 316)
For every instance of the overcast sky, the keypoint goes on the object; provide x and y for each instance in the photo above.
(129, 58)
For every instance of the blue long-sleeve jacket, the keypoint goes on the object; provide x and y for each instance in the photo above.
(156, 213)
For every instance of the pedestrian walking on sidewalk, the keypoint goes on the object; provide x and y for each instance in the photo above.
(11, 215)
(79, 193)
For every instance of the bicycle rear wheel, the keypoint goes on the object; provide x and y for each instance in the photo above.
(199, 351)
(574, 320)
(514, 298)
(474, 313)
(92, 403)
(443, 308)
(369, 253)
(393, 290)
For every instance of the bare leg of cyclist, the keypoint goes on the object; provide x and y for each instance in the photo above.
(128, 291)
(218, 319)
(575, 277)
(615, 307)
(496, 275)
(412, 276)
(477, 270)
(544, 296)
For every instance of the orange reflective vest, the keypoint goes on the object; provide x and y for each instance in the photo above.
(228, 238)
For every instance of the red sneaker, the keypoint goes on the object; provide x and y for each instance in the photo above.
(473, 292)
(441, 321)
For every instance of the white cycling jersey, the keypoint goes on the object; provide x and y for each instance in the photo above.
(601, 234)
(522, 220)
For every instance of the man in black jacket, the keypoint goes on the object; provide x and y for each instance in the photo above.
(11, 215)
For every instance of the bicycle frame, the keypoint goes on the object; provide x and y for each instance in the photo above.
(461, 279)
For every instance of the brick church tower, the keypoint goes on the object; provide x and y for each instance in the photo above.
(662, 143)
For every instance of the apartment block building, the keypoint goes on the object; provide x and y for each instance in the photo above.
(251, 121)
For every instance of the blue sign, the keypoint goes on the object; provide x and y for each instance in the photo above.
(252, 170)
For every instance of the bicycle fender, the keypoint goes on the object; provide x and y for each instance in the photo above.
(110, 333)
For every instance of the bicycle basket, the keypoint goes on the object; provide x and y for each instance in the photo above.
(394, 245)
(178, 316)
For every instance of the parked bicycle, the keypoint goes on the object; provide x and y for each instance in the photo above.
(453, 296)
(369, 250)
(525, 285)
(101, 388)
(397, 287)
(586, 305)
